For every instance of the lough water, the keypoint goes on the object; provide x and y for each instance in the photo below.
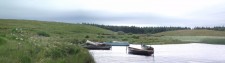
(171, 53)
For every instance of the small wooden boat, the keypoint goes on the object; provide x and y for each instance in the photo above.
(117, 43)
(145, 50)
(93, 47)
(96, 46)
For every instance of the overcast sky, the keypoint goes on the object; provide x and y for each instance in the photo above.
(189, 13)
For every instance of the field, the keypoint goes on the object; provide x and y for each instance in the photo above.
(193, 33)
(26, 41)
(199, 36)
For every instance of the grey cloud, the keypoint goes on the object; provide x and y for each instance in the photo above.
(207, 17)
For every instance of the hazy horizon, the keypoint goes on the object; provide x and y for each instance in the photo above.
(141, 13)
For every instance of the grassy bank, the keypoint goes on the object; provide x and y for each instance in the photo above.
(194, 38)
(200, 39)
(169, 37)
(26, 41)
(201, 36)
(214, 41)
(192, 33)
(139, 38)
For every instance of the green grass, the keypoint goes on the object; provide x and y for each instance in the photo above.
(2, 41)
(194, 38)
(202, 36)
(169, 37)
(139, 38)
(29, 41)
(214, 41)
(41, 33)
(193, 33)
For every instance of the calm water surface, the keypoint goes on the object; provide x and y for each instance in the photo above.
(171, 53)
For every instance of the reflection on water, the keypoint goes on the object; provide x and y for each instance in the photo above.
(172, 53)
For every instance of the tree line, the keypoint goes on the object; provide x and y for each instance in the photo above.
(217, 28)
(151, 30)
(138, 30)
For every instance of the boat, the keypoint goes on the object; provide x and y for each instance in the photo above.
(145, 50)
(117, 43)
(96, 46)
(93, 47)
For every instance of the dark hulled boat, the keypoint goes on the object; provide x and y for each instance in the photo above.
(145, 50)
(94, 47)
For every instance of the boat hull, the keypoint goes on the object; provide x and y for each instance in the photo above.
(136, 51)
(98, 47)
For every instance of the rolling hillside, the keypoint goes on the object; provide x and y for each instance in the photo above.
(28, 41)
(193, 33)
(202, 36)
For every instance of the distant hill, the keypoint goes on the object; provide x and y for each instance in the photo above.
(192, 33)
(52, 27)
